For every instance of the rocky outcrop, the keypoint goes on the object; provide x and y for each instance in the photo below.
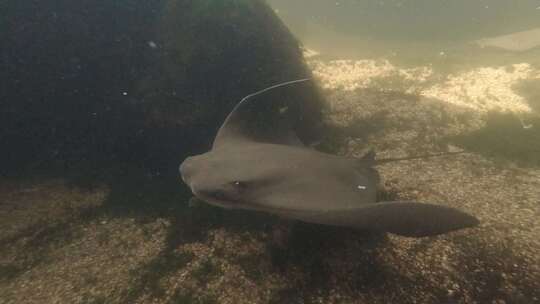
(136, 82)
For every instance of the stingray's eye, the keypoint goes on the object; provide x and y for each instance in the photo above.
(239, 184)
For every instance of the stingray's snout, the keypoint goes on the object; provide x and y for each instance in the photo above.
(186, 169)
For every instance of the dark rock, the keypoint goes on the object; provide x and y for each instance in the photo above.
(134, 82)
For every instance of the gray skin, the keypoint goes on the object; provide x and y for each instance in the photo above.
(273, 172)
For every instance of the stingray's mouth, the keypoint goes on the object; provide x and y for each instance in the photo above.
(225, 201)
(219, 199)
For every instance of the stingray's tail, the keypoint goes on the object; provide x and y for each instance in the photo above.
(424, 156)
(273, 87)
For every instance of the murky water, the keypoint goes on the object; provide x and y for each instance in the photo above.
(411, 28)
(102, 101)
(484, 56)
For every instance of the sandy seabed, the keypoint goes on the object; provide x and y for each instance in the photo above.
(60, 244)
(481, 89)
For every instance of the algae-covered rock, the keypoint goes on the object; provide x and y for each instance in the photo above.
(213, 53)
(136, 81)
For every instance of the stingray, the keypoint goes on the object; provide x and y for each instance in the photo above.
(516, 42)
(257, 162)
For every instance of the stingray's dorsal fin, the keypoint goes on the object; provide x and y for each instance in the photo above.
(259, 117)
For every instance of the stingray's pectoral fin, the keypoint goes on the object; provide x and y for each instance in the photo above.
(417, 219)
(410, 219)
